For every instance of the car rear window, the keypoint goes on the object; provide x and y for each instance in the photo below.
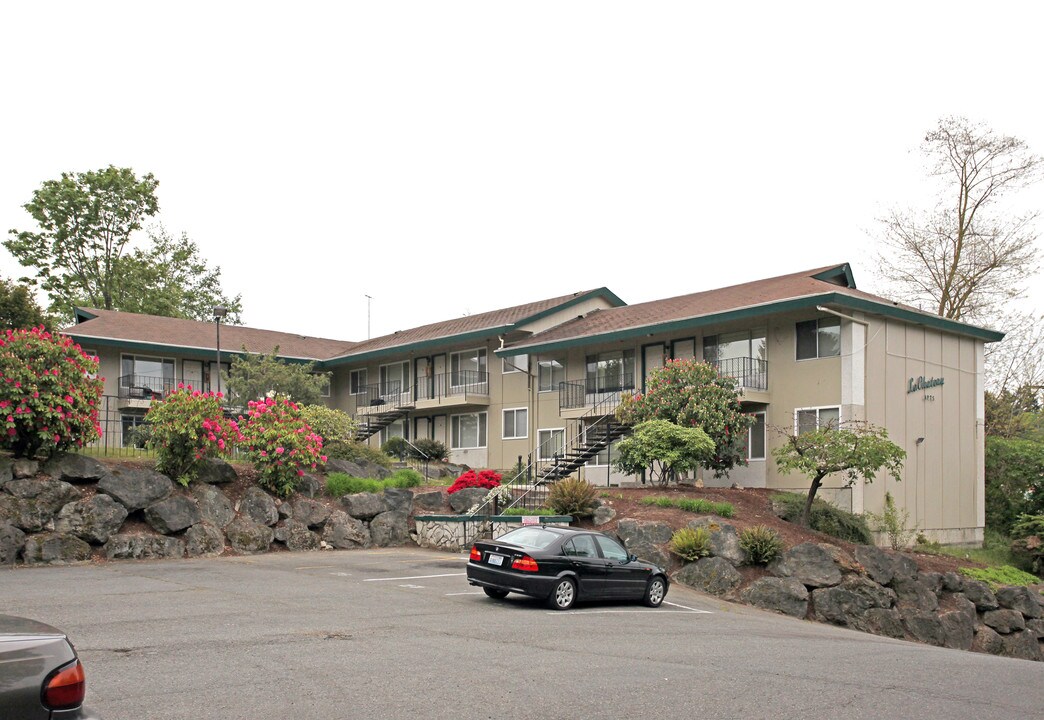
(533, 537)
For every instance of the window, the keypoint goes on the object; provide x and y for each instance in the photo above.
(395, 378)
(516, 423)
(93, 354)
(611, 550)
(516, 363)
(214, 378)
(580, 546)
(551, 372)
(809, 419)
(129, 423)
(468, 431)
(468, 368)
(735, 345)
(756, 438)
(146, 377)
(818, 338)
(357, 381)
(324, 388)
(550, 443)
(610, 371)
(399, 428)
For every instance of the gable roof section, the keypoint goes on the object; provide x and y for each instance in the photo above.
(152, 333)
(831, 285)
(470, 327)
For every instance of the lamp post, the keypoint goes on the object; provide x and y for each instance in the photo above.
(219, 312)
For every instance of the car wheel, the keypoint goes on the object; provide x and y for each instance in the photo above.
(563, 595)
(495, 594)
(655, 592)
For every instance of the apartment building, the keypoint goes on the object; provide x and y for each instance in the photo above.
(538, 383)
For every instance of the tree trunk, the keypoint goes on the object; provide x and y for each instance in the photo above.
(807, 511)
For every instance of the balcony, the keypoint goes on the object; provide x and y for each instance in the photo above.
(577, 396)
(749, 373)
(138, 391)
(464, 387)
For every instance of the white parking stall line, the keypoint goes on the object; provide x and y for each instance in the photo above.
(413, 587)
(686, 607)
(413, 577)
(465, 593)
(557, 613)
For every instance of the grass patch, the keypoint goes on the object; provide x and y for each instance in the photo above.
(338, 484)
(693, 505)
(995, 550)
(825, 518)
(519, 511)
(1002, 575)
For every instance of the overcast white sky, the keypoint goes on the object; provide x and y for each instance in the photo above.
(457, 157)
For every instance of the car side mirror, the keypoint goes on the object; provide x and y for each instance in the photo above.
(632, 558)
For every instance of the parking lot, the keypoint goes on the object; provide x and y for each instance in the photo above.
(399, 633)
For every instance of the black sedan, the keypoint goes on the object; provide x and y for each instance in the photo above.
(563, 565)
(40, 674)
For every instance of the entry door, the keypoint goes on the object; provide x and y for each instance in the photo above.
(652, 359)
(425, 388)
(422, 427)
(438, 364)
(438, 424)
(192, 373)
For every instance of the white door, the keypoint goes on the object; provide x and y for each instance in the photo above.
(652, 359)
(192, 373)
(439, 429)
(423, 384)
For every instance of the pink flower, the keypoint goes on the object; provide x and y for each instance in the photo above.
(57, 438)
(221, 444)
(279, 451)
(264, 453)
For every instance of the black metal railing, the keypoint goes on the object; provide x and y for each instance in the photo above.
(573, 395)
(393, 392)
(151, 387)
(748, 372)
(452, 384)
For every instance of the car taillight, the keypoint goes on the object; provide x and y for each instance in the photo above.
(476, 554)
(525, 563)
(66, 688)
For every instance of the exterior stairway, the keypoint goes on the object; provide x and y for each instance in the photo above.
(370, 425)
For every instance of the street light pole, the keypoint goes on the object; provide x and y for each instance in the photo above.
(219, 312)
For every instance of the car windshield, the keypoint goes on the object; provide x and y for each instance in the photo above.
(533, 537)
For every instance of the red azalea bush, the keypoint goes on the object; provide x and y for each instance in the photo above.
(188, 427)
(279, 443)
(486, 479)
(48, 396)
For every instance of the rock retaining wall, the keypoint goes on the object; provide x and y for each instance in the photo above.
(456, 533)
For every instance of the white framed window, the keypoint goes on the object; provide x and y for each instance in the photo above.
(551, 373)
(468, 431)
(92, 354)
(515, 364)
(610, 371)
(516, 424)
(399, 428)
(756, 438)
(468, 367)
(818, 338)
(357, 381)
(146, 377)
(550, 442)
(324, 389)
(809, 419)
(394, 378)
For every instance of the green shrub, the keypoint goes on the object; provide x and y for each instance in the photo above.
(434, 449)
(188, 427)
(825, 518)
(335, 427)
(397, 447)
(691, 543)
(761, 543)
(893, 523)
(1028, 544)
(572, 496)
(404, 478)
(693, 505)
(1003, 575)
(339, 484)
(279, 443)
(362, 453)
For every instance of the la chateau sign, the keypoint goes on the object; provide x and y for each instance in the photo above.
(922, 383)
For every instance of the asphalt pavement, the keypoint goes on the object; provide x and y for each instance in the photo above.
(398, 633)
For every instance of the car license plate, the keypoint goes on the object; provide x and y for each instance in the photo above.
(496, 559)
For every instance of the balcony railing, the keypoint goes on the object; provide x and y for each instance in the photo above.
(573, 395)
(394, 393)
(750, 373)
(149, 387)
(452, 384)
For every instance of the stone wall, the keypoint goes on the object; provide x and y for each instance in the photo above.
(871, 590)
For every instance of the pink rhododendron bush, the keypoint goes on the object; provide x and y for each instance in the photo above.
(279, 443)
(48, 397)
(188, 427)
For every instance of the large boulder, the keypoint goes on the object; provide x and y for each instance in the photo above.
(248, 537)
(851, 599)
(1021, 599)
(958, 630)
(361, 469)
(75, 468)
(980, 594)
(463, 500)
(259, 506)
(214, 506)
(430, 501)
(34, 502)
(365, 505)
(204, 540)
(55, 549)
(952, 582)
(924, 625)
(1021, 644)
(344, 532)
(712, 575)
(389, 528)
(785, 595)
(914, 594)
(24, 468)
(1004, 621)
(603, 514)
(809, 563)
(987, 640)
(215, 471)
(905, 567)
(311, 513)
(309, 485)
(296, 536)
(136, 488)
(173, 514)
(139, 547)
(879, 565)
(94, 520)
(399, 500)
(12, 540)
(646, 538)
(879, 621)
(6, 474)
(723, 538)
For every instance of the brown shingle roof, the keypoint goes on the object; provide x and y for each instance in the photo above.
(111, 325)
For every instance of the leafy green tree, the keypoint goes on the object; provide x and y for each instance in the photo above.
(859, 450)
(667, 448)
(170, 278)
(692, 394)
(85, 222)
(1014, 480)
(336, 427)
(18, 308)
(253, 376)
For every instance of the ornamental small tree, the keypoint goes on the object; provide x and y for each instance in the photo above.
(691, 393)
(335, 427)
(665, 447)
(857, 449)
(279, 443)
(49, 394)
(186, 428)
